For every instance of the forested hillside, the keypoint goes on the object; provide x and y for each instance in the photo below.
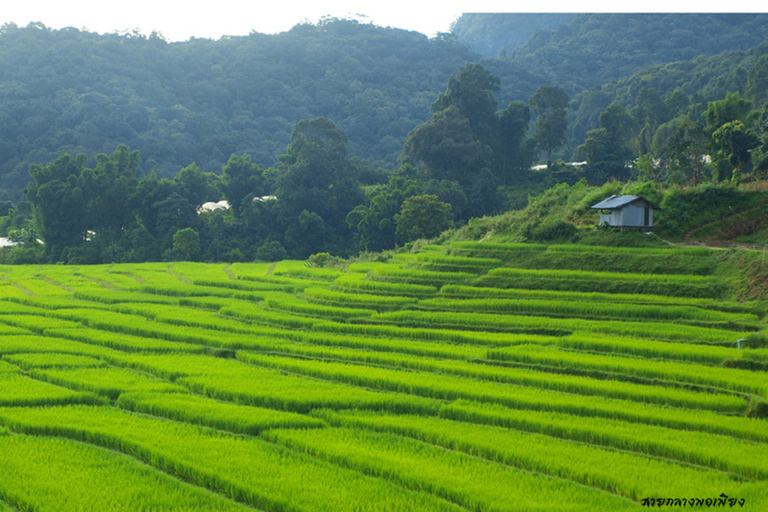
(343, 137)
(596, 48)
(494, 34)
(202, 100)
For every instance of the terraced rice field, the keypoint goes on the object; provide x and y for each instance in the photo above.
(472, 377)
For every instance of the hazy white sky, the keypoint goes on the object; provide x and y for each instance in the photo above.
(178, 20)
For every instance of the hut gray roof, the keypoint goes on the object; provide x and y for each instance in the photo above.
(615, 201)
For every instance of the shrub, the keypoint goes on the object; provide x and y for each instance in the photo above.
(318, 260)
(271, 250)
(187, 242)
(553, 231)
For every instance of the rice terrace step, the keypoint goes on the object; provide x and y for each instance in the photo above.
(463, 377)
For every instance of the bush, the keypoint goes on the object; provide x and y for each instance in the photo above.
(187, 243)
(235, 255)
(553, 231)
(686, 209)
(271, 250)
(318, 260)
(422, 217)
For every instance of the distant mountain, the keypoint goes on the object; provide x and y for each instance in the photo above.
(490, 34)
(202, 100)
(596, 48)
(700, 80)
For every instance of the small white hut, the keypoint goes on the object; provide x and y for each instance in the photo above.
(626, 212)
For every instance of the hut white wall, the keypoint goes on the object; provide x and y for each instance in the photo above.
(631, 215)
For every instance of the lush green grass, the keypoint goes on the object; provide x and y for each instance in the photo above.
(49, 474)
(465, 480)
(470, 377)
(621, 472)
(19, 390)
(250, 470)
(594, 310)
(555, 326)
(199, 410)
(721, 452)
(481, 380)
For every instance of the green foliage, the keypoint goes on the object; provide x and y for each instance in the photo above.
(271, 250)
(685, 209)
(469, 143)
(187, 242)
(736, 142)
(447, 146)
(199, 103)
(626, 44)
(499, 34)
(49, 474)
(552, 231)
(240, 180)
(607, 149)
(422, 217)
(549, 103)
(318, 260)
(721, 112)
(205, 100)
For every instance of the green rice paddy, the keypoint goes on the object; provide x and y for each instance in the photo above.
(471, 377)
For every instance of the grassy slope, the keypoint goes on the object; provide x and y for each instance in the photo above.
(722, 217)
(257, 363)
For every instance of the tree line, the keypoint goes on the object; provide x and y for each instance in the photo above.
(315, 198)
(200, 101)
(470, 159)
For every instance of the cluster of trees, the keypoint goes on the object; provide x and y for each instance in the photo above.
(434, 159)
(109, 213)
(675, 140)
(685, 87)
(464, 157)
(201, 100)
(465, 161)
(314, 198)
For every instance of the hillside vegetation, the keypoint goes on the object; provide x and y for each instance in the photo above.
(468, 376)
(202, 100)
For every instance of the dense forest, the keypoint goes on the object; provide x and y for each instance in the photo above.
(343, 137)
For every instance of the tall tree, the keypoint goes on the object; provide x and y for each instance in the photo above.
(447, 146)
(375, 220)
(736, 141)
(59, 203)
(471, 91)
(315, 176)
(240, 179)
(512, 154)
(109, 187)
(681, 144)
(607, 148)
(422, 217)
(756, 88)
(550, 104)
(732, 108)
